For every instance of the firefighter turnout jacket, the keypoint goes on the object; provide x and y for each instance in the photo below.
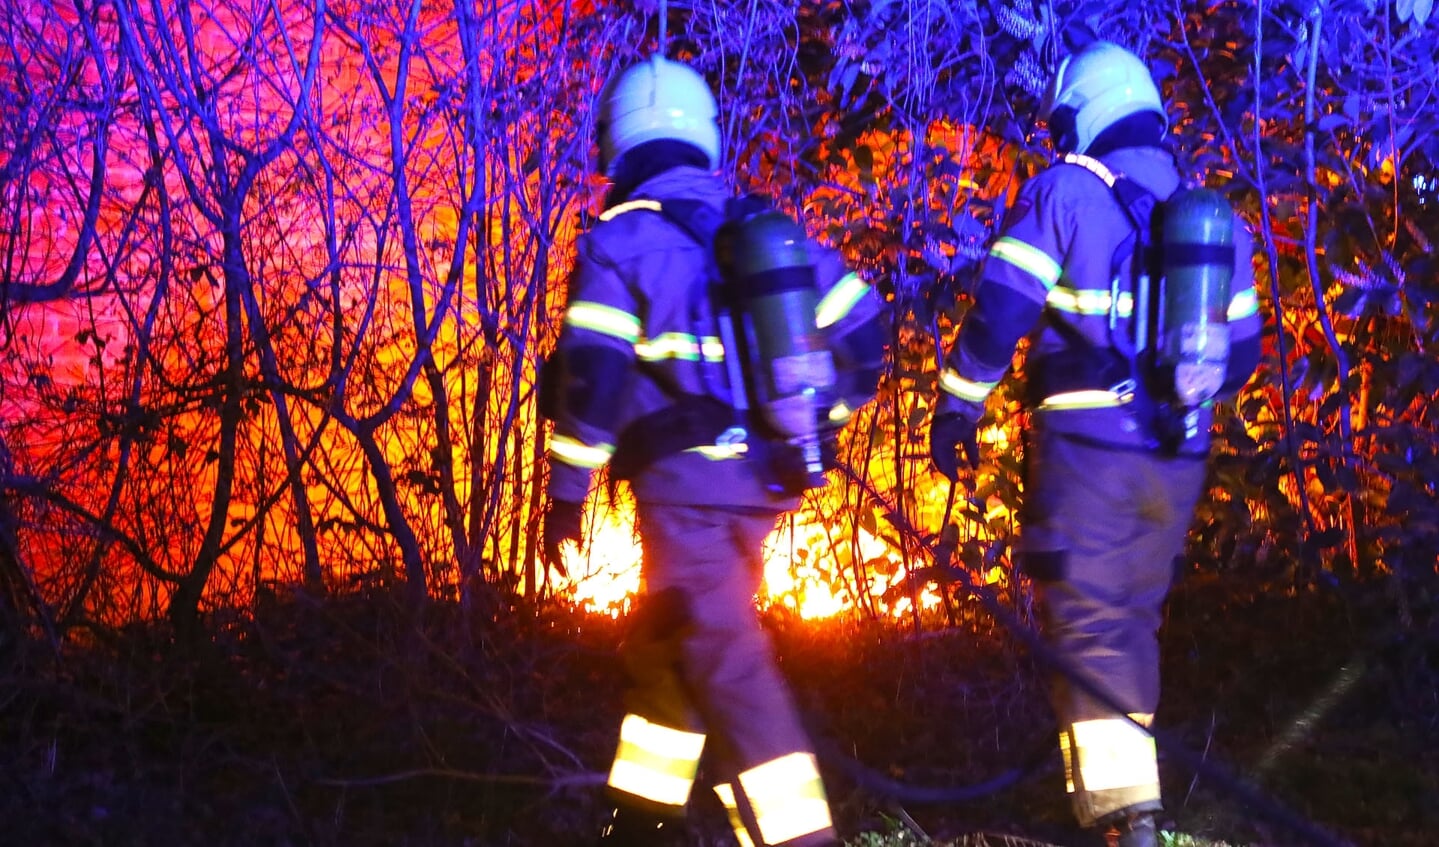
(1053, 261)
(642, 380)
(1106, 507)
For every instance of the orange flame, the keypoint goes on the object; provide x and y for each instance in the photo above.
(813, 566)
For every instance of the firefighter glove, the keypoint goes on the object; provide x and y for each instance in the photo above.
(562, 523)
(949, 434)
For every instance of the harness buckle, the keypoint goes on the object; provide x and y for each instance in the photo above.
(732, 436)
(1124, 389)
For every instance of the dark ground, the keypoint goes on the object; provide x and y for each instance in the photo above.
(336, 723)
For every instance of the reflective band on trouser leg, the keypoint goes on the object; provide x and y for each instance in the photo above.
(788, 799)
(965, 389)
(731, 807)
(655, 762)
(1109, 764)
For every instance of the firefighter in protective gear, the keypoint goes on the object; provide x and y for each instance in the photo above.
(1107, 502)
(638, 384)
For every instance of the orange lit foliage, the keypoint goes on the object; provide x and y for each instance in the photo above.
(324, 261)
(275, 287)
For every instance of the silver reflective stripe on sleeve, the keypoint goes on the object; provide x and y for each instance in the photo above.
(576, 453)
(965, 389)
(840, 299)
(606, 320)
(1029, 259)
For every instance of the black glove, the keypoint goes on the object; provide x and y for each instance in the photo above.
(562, 523)
(948, 434)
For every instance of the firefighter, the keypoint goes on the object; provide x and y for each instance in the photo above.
(639, 383)
(1112, 476)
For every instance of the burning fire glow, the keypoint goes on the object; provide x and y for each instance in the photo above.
(801, 567)
(814, 567)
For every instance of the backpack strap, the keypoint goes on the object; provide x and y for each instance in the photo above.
(1146, 286)
(1142, 209)
(701, 222)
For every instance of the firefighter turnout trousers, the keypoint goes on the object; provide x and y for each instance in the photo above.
(703, 675)
(1104, 528)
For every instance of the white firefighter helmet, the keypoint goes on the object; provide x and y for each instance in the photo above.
(1094, 89)
(656, 99)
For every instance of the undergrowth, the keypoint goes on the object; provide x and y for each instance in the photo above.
(349, 721)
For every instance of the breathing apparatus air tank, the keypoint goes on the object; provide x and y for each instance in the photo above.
(1198, 264)
(772, 293)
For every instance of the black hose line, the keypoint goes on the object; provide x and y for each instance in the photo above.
(873, 782)
(1256, 801)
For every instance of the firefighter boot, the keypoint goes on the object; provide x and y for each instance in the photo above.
(1132, 830)
(632, 828)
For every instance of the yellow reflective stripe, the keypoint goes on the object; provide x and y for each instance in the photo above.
(630, 206)
(787, 797)
(840, 299)
(840, 413)
(721, 452)
(1067, 755)
(1092, 165)
(1029, 259)
(656, 762)
(1092, 398)
(1088, 301)
(574, 452)
(965, 389)
(680, 345)
(731, 807)
(1111, 753)
(603, 319)
(1243, 304)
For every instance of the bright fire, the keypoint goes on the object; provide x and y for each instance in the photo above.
(811, 564)
(802, 569)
